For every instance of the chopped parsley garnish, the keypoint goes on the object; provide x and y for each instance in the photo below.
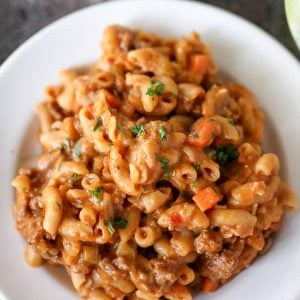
(164, 165)
(74, 177)
(77, 149)
(230, 121)
(109, 225)
(195, 135)
(211, 120)
(185, 194)
(24, 189)
(121, 128)
(197, 166)
(96, 192)
(67, 145)
(156, 88)
(208, 151)
(99, 123)
(213, 136)
(138, 130)
(194, 184)
(120, 222)
(222, 154)
(162, 133)
(58, 205)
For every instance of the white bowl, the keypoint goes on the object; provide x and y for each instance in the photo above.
(241, 50)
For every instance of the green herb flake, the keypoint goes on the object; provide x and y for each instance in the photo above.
(213, 136)
(120, 222)
(109, 225)
(58, 205)
(211, 120)
(74, 177)
(194, 184)
(156, 88)
(96, 193)
(138, 130)
(121, 128)
(230, 121)
(98, 124)
(162, 133)
(77, 149)
(222, 154)
(185, 194)
(207, 151)
(197, 166)
(195, 135)
(67, 145)
(164, 165)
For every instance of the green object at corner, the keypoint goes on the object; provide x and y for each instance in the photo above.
(292, 10)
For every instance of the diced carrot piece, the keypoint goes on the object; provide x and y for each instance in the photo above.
(203, 134)
(199, 63)
(209, 285)
(112, 100)
(206, 198)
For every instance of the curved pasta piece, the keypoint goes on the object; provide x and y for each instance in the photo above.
(146, 236)
(183, 215)
(156, 104)
(287, 197)
(142, 159)
(140, 85)
(229, 131)
(32, 257)
(66, 98)
(178, 292)
(114, 39)
(219, 102)
(88, 124)
(53, 209)
(268, 164)
(190, 98)
(133, 219)
(75, 230)
(44, 116)
(250, 193)
(186, 275)
(151, 60)
(22, 183)
(210, 170)
(120, 173)
(53, 140)
(102, 235)
(181, 122)
(155, 199)
(248, 153)
(68, 168)
(238, 221)
(78, 279)
(184, 174)
(182, 242)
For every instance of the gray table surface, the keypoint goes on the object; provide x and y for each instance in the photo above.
(19, 19)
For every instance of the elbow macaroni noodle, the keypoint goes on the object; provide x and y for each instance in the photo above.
(152, 180)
